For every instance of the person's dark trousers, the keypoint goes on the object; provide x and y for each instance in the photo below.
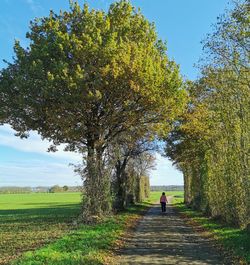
(163, 206)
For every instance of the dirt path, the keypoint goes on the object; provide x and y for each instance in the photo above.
(165, 238)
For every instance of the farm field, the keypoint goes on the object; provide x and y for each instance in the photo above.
(28, 221)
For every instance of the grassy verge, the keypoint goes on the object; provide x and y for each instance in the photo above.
(235, 241)
(87, 244)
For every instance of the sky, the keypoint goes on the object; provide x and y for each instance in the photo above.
(182, 23)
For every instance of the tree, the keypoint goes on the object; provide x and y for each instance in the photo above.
(86, 77)
(65, 188)
(55, 188)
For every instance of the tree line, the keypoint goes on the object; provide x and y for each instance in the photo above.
(210, 143)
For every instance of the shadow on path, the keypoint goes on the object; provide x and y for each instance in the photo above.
(165, 238)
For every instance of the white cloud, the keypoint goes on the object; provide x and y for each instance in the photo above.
(48, 169)
(57, 171)
(33, 144)
(36, 173)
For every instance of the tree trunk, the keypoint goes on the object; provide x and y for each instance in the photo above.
(120, 193)
(96, 198)
(187, 186)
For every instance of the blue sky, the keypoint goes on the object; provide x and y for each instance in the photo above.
(182, 23)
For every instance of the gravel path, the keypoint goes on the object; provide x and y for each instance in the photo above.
(165, 238)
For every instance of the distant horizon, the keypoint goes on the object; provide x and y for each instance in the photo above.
(14, 186)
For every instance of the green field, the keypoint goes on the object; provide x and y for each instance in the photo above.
(177, 196)
(28, 221)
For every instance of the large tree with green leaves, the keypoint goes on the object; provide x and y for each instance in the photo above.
(86, 77)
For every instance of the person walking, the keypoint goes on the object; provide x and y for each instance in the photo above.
(163, 201)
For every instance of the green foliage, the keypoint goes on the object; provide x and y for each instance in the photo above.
(133, 160)
(146, 186)
(12, 190)
(65, 188)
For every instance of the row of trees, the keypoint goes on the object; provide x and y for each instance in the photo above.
(15, 190)
(101, 83)
(39, 189)
(210, 143)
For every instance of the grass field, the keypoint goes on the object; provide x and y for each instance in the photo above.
(28, 221)
(31, 221)
(177, 196)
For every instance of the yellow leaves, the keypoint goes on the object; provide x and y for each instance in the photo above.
(79, 72)
(50, 76)
(197, 121)
(65, 72)
(115, 69)
(134, 86)
(72, 83)
(98, 94)
(105, 70)
(162, 128)
(90, 95)
(94, 95)
(60, 46)
(107, 23)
